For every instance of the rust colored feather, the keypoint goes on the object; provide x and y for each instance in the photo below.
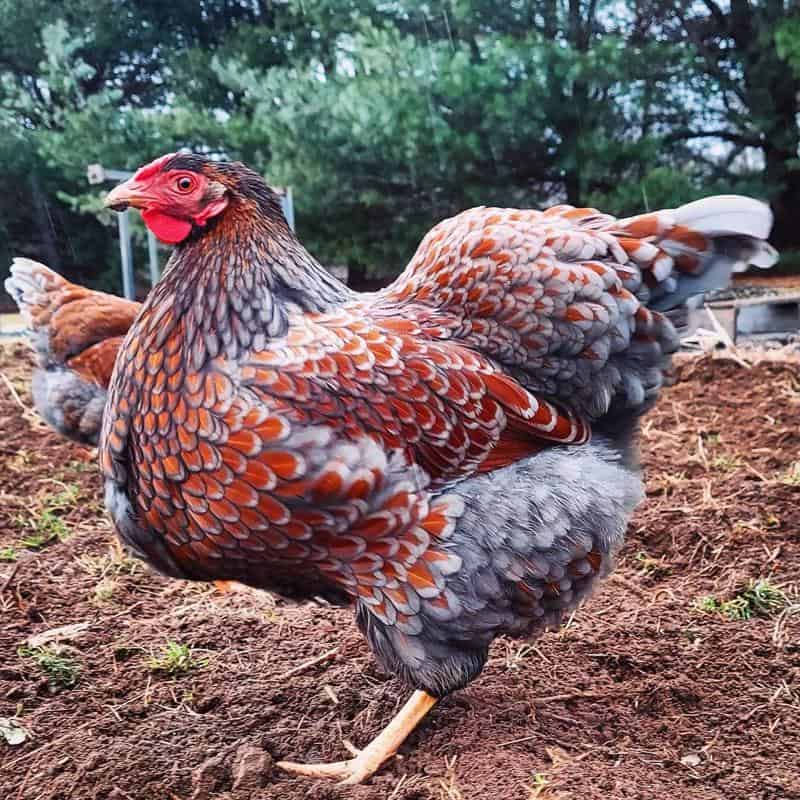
(96, 362)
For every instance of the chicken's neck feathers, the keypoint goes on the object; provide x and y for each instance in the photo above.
(232, 288)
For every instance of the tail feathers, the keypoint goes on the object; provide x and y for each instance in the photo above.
(726, 214)
(64, 318)
(33, 286)
(697, 247)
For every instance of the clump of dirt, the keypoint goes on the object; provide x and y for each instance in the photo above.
(651, 691)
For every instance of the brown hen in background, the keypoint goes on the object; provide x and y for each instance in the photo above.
(75, 333)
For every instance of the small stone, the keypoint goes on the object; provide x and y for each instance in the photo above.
(206, 704)
(207, 778)
(93, 760)
(691, 760)
(251, 768)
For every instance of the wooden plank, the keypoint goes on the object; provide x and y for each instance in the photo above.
(768, 300)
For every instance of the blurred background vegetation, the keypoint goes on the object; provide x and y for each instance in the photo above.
(387, 116)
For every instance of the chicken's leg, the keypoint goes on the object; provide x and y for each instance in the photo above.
(231, 587)
(381, 748)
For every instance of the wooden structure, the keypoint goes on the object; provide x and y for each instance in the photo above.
(727, 311)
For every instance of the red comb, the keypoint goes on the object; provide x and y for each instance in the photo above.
(148, 170)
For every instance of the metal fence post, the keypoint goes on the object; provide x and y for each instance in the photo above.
(287, 202)
(152, 255)
(126, 252)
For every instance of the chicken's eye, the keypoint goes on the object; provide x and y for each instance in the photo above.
(184, 183)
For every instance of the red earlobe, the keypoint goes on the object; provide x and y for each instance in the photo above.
(211, 210)
(170, 230)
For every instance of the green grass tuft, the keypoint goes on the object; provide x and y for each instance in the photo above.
(707, 604)
(44, 528)
(8, 554)
(792, 475)
(175, 659)
(539, 786)
(65, 499)
(757, 599)
(61, 669)
(726, 463)
(652, 567)
(104, 591)
(44, 524)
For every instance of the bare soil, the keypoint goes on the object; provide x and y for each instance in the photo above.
(641, 695)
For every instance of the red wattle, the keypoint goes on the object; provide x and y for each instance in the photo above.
(170, 230)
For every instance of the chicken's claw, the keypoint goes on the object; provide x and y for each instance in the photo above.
(354, 770)
(368, 761)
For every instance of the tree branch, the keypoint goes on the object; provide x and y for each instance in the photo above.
(716, 12)
(725, 135)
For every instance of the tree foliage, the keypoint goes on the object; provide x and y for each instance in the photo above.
(387, 115)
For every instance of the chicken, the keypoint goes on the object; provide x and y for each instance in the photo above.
(76, 334)
(454, 456)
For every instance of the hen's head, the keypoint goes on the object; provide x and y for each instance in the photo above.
(180, 193)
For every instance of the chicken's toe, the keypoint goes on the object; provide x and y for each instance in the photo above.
(368, 761)
(336, 769)
(354, 770)
(232, 587)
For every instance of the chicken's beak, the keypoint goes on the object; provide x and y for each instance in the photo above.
(130, 193)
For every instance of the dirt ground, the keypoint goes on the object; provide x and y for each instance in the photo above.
(642, 695)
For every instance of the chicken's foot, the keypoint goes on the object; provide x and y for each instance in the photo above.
(230, 587)
(367, 761)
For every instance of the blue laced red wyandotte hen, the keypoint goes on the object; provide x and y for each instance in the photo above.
(453, 455)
